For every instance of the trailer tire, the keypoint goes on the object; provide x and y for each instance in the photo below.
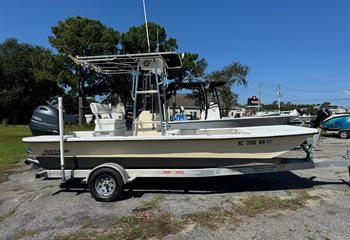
(106, 184)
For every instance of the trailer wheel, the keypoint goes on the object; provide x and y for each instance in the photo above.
(344, 134)
(106, 184)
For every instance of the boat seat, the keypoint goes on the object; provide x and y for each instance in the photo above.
(145, 125)
(112, 123)
(213, 111)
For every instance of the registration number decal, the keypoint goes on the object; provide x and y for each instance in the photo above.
(254, 142)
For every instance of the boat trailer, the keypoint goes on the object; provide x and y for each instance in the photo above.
(106, 182)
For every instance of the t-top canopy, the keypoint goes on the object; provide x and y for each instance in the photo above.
(128, 63)
(194, 83)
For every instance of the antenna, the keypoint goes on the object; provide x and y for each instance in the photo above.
(145, 14)
(279, 95)
(157, 49)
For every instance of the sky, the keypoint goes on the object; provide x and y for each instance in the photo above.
(303, 46)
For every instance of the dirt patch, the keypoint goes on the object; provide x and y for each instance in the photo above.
(18, 167)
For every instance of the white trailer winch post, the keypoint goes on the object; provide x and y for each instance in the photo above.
(61, 129)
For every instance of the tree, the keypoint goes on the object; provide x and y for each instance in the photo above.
(271, 107)
(192, 66)
(26, 80)
(305, 108)
(233, 74)
(135, 40)
(325, 104)
(83, 37)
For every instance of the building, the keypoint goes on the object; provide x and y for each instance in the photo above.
(183, 100)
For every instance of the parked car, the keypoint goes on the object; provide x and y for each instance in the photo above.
(339, 124)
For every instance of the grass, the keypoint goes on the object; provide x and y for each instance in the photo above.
(24, 233)
(148, 225)
(140, 225)
(88, 224)
(154, 224)
(77, 127)
(152, 203)
(255, 205)
(6, 215)
(12, 150)
(81, 235)
(148, 221)
(213, 218)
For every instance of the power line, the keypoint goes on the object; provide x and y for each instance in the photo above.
(301, 98)
(300, 90)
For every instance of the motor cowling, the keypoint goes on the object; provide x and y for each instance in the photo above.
(44, 121)
(322, 115)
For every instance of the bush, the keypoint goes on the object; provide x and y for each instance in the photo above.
(4, 121)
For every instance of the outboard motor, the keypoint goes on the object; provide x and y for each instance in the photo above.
(323, 114)
(300, 112)
(44, 121)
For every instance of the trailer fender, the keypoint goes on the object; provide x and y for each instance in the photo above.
(114, 166)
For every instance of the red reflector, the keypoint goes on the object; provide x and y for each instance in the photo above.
(167, 172)
(180, 172)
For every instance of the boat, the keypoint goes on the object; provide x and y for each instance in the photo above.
(152, 144)
(210, 116)
(186, 149)
(231, 122)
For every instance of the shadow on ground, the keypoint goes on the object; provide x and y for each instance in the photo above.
(211, 185)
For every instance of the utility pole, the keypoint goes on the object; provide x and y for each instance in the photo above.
(279, 95)
(259, 96)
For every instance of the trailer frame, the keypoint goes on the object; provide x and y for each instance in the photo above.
(121, 176)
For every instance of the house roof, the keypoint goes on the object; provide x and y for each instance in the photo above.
(182, 100)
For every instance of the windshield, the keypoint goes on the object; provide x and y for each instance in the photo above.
(340, 122)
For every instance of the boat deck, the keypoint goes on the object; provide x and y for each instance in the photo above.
(214, 133)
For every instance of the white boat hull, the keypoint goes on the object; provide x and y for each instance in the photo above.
(208, 148)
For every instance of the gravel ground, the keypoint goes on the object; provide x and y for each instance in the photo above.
(305, 204)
